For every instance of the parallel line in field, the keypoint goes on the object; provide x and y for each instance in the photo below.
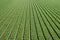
(41, 27)
(51, 25)
(36, 14)
(3, 14)
(48, 20)
(19, 27)
(46, 25)
(44, 22)
(4, 19)
(56, 11)
(24, 26)
(35, 22)
(6, 16)
(7, 26)
(5, 29)
(55, 19)
(38, 11)
(23, 11)
(11, 31)
(54, 14)
(30, 21)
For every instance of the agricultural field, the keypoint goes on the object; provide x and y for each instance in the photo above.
(29, 19)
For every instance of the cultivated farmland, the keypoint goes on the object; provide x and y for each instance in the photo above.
(29, 20)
